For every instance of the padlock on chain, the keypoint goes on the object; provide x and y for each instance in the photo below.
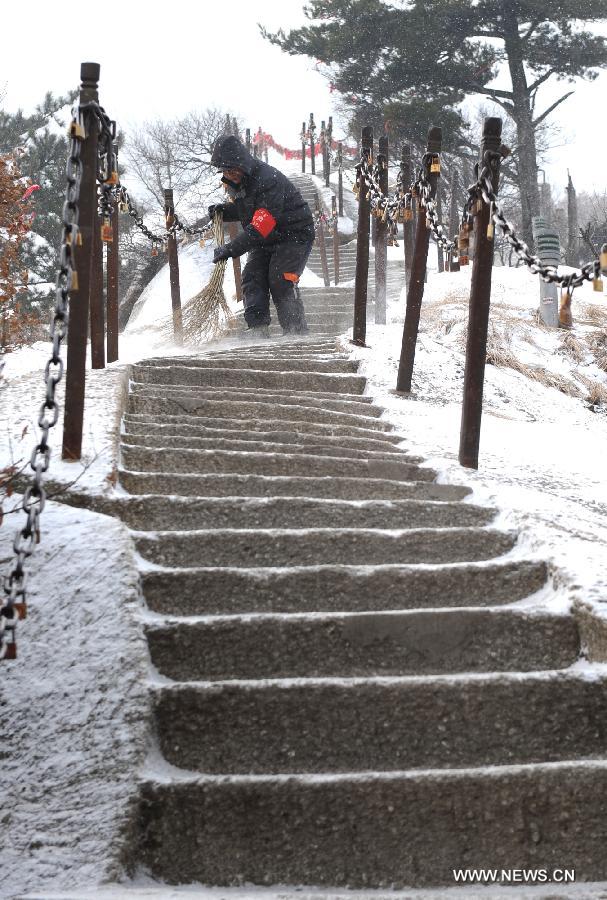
(435, 165)
(603, 259)
(107, 233)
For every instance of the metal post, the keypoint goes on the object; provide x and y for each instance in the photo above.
(248, 139)
(381, 237)
(478, 322)
(79, 300)
(362, 246)
(415, 292)
(340, 179)
(322, 246)
(335, 239)
(303, 147)
(96, 298)
(312, 134)
(233, 232)
(405, 168)
(113, 271)
(173, 269)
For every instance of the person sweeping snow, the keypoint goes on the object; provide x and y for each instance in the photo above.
(278, 233)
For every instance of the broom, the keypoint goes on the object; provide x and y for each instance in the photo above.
(205, 313)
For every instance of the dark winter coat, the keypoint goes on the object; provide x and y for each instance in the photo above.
(270, 208)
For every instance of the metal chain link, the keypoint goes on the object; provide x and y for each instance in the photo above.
(34, 498)
(550, 274)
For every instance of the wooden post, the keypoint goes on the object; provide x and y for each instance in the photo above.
(381, 237)
(113, 271)
(405, 168)
(323, 147)
(439, 211)
(359, 333)
(453, 221)
(233, 232)
(415, 292)
(312, 135)
(340, 179)
(303, 147)
(329, 143)
(322, 246)
(173, 269)
(79, 299)
(478, 321)
(335, 239)
(97, 305)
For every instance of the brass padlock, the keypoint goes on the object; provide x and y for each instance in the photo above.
(490, 230)
(21, 610)
(435, 165)
(74, 281)
(123, 206)
(597, 285)
(76, 130)
(603, 259)
(202, 242)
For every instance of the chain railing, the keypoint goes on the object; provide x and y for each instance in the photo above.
(14, 604)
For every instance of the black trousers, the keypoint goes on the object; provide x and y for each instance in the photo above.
(264, 275)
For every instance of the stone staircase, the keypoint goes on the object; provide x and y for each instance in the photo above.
(343, 692)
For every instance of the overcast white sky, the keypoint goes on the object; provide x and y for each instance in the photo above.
(164, 59)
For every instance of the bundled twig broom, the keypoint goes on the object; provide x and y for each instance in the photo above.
(205, 313)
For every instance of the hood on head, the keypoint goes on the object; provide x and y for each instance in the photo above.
(229, 151)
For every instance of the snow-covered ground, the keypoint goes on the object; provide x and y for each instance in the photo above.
(73, 706)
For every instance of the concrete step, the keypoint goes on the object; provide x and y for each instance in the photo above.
(224, 591)
(242, 548)
(145, 459)
(424, 642)
(171, 435)
(296, 427)
(374, 724)
(234, 485)
(351, 403)
(152, 440)
(256, 411)
(237, 375)
(260, 362)
(394, 830)
(158, 512)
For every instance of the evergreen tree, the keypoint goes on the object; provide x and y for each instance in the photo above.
(388, 56)
(41, 143)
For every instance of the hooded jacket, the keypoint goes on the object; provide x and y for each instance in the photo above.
(270, 209)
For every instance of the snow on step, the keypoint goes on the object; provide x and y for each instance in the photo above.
(361, 644)
(301, 546)
(332, 588)
(340, 654)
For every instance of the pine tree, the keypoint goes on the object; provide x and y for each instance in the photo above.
(388, 56)
(14, 225)
(40, 140)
